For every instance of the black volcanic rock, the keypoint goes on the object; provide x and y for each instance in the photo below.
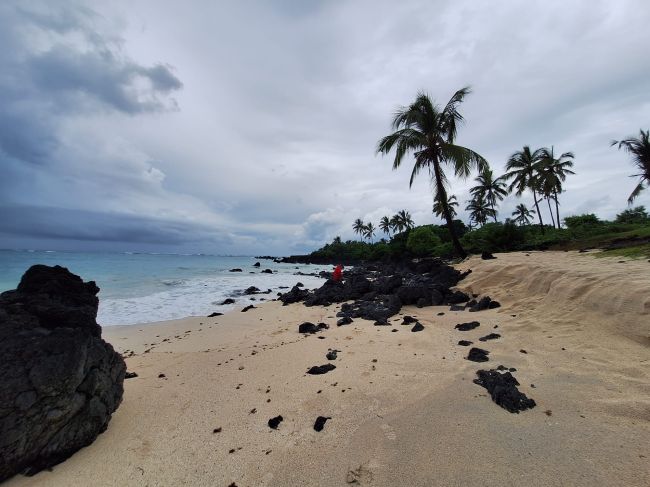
(294, 296)
(503, 390)
(307, 327)
(320, 422)
(60, 382)
(487, 256)
(250, 306)
(331, 355)
(321, 369)
(235, 270)
(484, 303)
(464, 343)
(256, 264)
(407, 320)
(275, 422)
(478, 355)
(267, 271)
(346, 320)
(467, 326)
(251, 290)
(212, 315)
(417, 327)
(227, 301)
(491, 336)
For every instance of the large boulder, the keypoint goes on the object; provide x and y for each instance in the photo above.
(60, 381)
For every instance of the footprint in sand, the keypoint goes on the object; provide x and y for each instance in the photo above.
(359, 476)
(389, 432)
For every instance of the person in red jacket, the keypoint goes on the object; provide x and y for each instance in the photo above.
(338, 273)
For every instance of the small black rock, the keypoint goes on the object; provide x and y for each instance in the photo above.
(228, 301)
(250, 306)
(346, 320)
(491, 336)
(464, 343)
(130, 375)
(212, 315)
(417, 327)
(407, 320)
(307, 327)
(275, 422)
(320, 422)
(331, 355)
(321, 369)
(467, 326)
(478, 355)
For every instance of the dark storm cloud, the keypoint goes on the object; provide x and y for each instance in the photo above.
(57, 223)
(261, 137)
(55, 63)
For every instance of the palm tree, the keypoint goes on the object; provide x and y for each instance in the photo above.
(385, 225)
(406, 220)
(452, 203)
(369, 231)
(395, 224)
(639, 148)
(522, 167)
(553, 173)
(522, 214)
(489, 188)
(429, 132)
(479, 210)
(358, 226)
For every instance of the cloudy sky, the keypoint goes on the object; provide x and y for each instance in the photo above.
(250, 127)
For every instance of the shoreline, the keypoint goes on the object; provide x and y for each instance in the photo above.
(403, 407)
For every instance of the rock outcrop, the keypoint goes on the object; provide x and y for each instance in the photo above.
(60, 381)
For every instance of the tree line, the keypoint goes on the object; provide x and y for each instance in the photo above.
(428, 131)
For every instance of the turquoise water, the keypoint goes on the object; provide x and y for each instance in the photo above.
(141, 288)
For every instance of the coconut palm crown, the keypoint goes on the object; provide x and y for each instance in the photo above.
(639, 149)
(522, 168)
(452, 203)
(491, 189)
(552, 173)
(385, 225)
(428, 131)
(522, 214)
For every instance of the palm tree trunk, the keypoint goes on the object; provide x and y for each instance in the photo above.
(550, 211)
(557, 211)
(495, 212)
(539, 213)
(442, 194)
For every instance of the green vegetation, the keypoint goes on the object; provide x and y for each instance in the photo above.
(429, 132)
(628, 235)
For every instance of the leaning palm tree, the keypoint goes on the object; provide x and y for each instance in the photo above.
(452, 204)
(489, 188)
(522, 214)
(358, 226)
(369, 231)
(479, 210)
(522, 168)
(385, 225)
(553, 172)
(429, 131)
(639, 149)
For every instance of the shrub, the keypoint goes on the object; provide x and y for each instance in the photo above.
(422, 241)
(494, 237)
(633, 215)
(586, 220)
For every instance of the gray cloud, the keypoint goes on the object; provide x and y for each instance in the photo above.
(271, 139)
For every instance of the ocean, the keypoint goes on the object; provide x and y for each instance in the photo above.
(143, 288)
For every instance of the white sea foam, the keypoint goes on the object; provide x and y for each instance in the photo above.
(196, 297)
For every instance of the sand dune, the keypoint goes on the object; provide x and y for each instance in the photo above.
(403, 406)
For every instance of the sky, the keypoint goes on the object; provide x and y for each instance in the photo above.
(251, 127)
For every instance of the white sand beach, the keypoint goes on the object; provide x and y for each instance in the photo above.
(404, 410)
